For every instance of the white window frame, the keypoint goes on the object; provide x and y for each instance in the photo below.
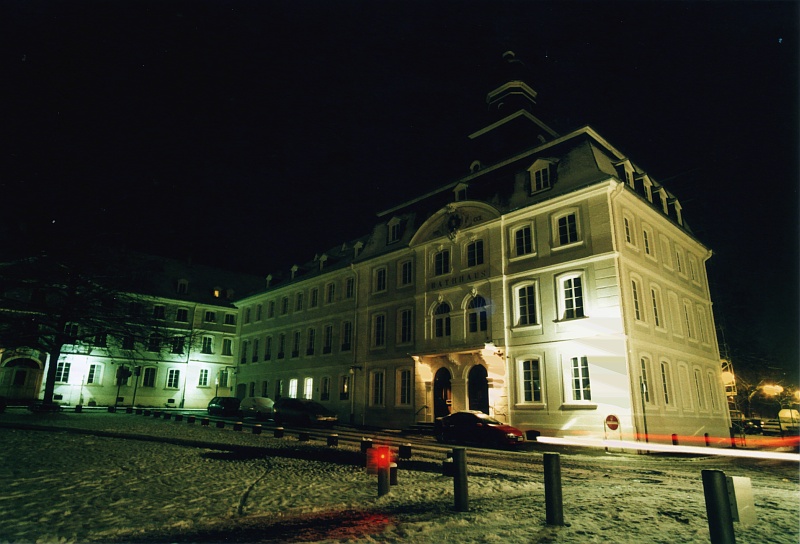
(293, 383)
(512, 241)
(556, 230)
(94, 376)
(649, 241)
(479, 254)
(629, 230)
(657, 307)
(637, 301)
(202, 378)
(173, 379)
(583, 392)
(528, 380)
(561, 285)
(534, 285)
(404, 381)
(308, 388)
(666, 384)
(438, 262)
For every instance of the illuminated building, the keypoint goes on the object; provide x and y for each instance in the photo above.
(554, 285)
(187, 360)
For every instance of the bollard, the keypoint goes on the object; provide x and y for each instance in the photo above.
(674, 439)
(303, 436)
(718, 507)
(78, 408)
(366, 443)
(708, 441)
(112, 409)
(220, 424)
(204, 422)
(257, 428)
(333, 440)
(190, 420)
(393, 474)
(278, 432)
(167, 415)
(554, 507)
(460, 491)
(383, 480)
(237, 426)
(404, 451)
(129, 410)
(146, 413)
(178, 417)
(139, 411)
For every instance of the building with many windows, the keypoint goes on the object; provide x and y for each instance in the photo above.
(554, 285)
(185, 360)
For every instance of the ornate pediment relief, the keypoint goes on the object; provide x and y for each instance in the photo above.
(454, 219)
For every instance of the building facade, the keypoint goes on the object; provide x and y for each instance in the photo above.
(556, 286)
(186, 360)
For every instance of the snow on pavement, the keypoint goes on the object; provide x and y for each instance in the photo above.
(100, 477)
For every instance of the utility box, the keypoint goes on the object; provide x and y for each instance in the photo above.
(740, 494)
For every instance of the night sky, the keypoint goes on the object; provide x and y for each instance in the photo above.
(254, 134)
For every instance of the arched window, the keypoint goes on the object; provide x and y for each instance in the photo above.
(442, 320)
(477, 314)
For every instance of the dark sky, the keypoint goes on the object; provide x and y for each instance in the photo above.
(254, 134)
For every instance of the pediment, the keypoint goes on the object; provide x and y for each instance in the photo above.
(454, 218)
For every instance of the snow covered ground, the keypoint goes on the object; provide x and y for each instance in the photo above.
(104, 477)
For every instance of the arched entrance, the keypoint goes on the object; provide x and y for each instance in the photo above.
(20, 379)
(442, 393)
(478, 389)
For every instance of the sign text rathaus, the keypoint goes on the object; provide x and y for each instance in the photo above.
(456, 280)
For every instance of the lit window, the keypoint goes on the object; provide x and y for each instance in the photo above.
(442, 320)
(308, 388)
(293, 388)
(344, 388)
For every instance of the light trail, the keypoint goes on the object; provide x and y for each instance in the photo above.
(649, 446)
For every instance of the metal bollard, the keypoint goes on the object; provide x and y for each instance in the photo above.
(333, 440)
(257, 428)
(674, 439)
(366, 443)
(554, 508)
(383, 481)
(78, 408)
(460, 491)
(718, 507)
(190, 420)
(708, 441)
(204, 422)
(393, 474)
(237, 426)
(112, 409)
(129, 410)
(303, 436)
(404, 451)
(278, 432)
(220, 424)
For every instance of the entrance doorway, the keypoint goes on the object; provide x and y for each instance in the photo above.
(21, 379)
(478, 389)
(442, 393)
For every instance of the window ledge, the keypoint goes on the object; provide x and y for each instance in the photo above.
(527, 328)
(579, 406)
(556, 248)
(516, 258)
(570, 319)
(523, 406)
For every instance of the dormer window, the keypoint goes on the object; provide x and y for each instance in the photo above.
(542, 175)
(357, 248)
(217, 292)
(475, 167)
(395, 231)
(625, 172)
(460, 192)
(183, 286)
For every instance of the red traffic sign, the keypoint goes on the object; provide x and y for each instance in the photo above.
(612, 422)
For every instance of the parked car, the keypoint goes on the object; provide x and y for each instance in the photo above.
(257, 407)
(302, 412)
(747, 426)
(474, 427)
(224, 406)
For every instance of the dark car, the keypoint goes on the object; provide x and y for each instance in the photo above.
(302, 412)
(473, 427)
(747, 426)
(224, 406)
(257, 407)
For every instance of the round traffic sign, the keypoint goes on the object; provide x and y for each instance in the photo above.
(612, 422)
